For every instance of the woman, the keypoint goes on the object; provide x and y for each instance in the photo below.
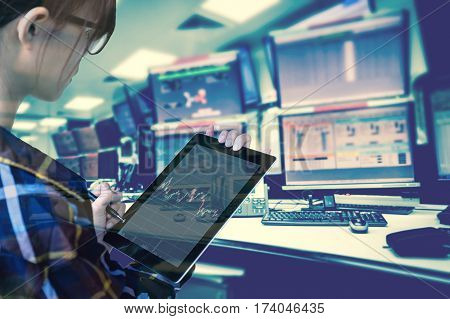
(49, 246)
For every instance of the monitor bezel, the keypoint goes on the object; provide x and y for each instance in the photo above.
(374, 188)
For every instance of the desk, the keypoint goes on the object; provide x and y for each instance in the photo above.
(338, 244)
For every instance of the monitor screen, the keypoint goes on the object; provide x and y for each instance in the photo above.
(354, 61)
(72, 163)
(108, 165)
(198, 190)
(86, 139)
(108, 133)
(249, 84)
(194, 92)
(167, 147)
(65, 144)
(143, 104)
(440, 104)
(371, 146)
(124, 118)
(89, 167)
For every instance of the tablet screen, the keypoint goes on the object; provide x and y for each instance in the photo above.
(177, 215)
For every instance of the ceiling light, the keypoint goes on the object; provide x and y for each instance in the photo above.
(23, 107)
(137, 65)
(238, 10)
(84, 103)
(24, 125)
(53, 122)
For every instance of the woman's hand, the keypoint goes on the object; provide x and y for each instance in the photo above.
(106, 196)
(231, 138)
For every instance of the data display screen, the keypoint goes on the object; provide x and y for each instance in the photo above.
(87, 139)
(65, 144)
(172, 221)
(371, 145)
(197, 92)
(440, 102)
(361, 60)
(123, 115)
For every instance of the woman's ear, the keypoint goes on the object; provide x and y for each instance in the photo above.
(31, 24)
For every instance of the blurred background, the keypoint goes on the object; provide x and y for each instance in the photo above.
(295, 74)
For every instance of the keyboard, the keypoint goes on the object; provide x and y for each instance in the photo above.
(322, 218)
(396, 210)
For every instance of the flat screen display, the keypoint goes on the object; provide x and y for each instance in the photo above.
(87, 139)
(108, 133)
(197, 92)
(178, 214)
(363, 146)
(65, 144)
(440, 104)
(356, 61)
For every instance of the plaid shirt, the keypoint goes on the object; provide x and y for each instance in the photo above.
(48, 246)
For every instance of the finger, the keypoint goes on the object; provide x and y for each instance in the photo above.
(268, 150)
(111, 223)
(223, 136)
(210, 130)
(105, 195)
(241, 141)
(119, 208)
(95, 188)
(249, 141)
(232, 135)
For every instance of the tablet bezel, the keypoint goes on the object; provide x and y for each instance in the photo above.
(159, 265)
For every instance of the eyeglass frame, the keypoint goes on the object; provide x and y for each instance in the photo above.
(86, 23)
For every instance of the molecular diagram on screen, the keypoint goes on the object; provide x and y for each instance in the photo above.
(199, 98)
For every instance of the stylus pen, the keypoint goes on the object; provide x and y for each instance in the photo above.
(109, 210)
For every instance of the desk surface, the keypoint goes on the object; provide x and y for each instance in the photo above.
(339, 244)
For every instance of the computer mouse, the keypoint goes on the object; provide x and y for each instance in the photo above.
(179, 218)
(358, 225)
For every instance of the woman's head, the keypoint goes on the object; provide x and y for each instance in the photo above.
(42, 41)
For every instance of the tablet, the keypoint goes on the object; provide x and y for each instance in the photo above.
(176, 218)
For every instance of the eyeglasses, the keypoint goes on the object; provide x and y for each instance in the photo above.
(95, 45)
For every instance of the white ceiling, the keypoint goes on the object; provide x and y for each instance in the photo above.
(152, 24)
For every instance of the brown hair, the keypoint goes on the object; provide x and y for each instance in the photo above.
(61, 10)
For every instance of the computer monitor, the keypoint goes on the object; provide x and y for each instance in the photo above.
(65, 144)
(86, 139)
(270, 56)
(249, 83)
(123, 115)
(437, 167)
(359, 60)
(72, 163)
(108, 133)
(362, 148)
(203, 88)
(440, 109)
(108, 165)
(89, 167)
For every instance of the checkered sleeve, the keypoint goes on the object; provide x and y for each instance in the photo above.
(48, 249)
